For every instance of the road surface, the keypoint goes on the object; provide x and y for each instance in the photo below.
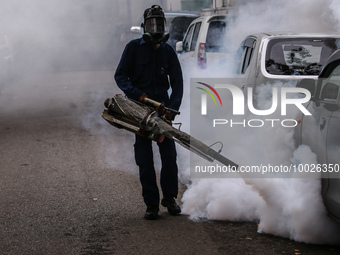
(69, 184)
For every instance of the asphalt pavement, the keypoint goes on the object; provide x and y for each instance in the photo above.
(69, 185)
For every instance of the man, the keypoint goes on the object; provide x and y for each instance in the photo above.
(145, 69)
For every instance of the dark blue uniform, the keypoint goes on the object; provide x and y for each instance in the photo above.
(145, 70)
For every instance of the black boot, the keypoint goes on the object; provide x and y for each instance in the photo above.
(171, 205)
(151, 213)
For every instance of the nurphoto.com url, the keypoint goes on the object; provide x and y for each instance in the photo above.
(268, 170)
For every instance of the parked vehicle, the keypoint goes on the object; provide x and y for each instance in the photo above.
(270, 57)
(310, 61)
(203, 42)
(321, 130)
(177, 23)
(262, 58)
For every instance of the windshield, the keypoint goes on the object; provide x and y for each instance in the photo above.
(215, 40)
(300, 56)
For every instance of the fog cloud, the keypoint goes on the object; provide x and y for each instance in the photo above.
(291, 208)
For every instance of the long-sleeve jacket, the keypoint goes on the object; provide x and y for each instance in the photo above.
(144, 70)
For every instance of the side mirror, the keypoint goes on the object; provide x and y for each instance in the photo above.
(179, 47)
(309, 84)
(136, 29)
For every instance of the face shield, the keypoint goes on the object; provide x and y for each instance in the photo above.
(154, 26)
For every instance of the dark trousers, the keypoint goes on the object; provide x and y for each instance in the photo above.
(147, 174)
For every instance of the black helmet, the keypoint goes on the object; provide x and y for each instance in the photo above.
(154, 25)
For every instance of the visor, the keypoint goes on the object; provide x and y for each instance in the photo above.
(154, 25)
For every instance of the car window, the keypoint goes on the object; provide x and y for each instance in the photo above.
(244, 55)
(330, 86)
(249, 46)
(195, 36)
(178, 26)
(168, 21)
(215, 38)
(300, 56)
(238, 58)
(187, 39)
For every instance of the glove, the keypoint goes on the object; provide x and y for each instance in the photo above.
(169, 115)
(142, 97)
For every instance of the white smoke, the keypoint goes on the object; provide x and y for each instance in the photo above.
(275, 15)
(64, 54)
(293, 207)
(288, 207)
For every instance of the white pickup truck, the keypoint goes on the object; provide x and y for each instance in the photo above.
(203, 44)
(270, 57)
(260, 59)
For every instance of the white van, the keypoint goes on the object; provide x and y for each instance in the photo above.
(204, 43)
